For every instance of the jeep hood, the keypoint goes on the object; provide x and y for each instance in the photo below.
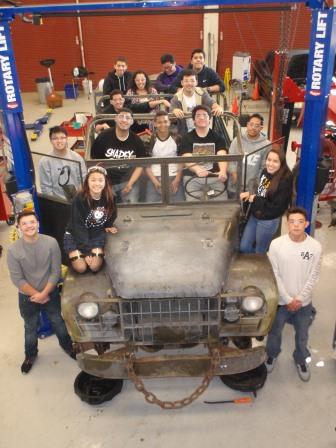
(161, 253)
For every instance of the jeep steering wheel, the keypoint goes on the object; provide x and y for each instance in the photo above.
(201, 185)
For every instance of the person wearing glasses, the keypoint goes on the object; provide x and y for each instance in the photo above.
(120, 143)
(117, 102)
(65, 170)
(203, 180)
(252, 140)
(170, 71)
(93, 212)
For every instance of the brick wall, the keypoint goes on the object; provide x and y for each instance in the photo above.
(258, 33)
(141, 40)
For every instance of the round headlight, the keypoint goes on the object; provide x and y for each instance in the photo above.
(252, 304)
(88, 310)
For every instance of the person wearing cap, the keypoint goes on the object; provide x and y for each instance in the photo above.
(93, 212)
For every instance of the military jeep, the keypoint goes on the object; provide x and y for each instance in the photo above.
(175, 297)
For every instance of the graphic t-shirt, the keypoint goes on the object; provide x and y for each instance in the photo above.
(190, 101)
(89, 221)
(264, 183)
(108, 146)
(209, 145)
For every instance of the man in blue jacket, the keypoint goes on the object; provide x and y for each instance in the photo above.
(170, 71)
(207, 77)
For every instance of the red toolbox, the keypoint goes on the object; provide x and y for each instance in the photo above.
(76, 128)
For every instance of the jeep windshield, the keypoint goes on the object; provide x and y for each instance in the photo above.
(169, 180)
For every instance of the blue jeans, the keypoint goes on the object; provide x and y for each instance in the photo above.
(301, 321)
(258, 234)
(126, 198)
(152, 195)
(30, 314)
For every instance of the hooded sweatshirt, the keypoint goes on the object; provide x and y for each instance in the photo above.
(112, 82)
(178, 102)
(205, 78)
(69, 170)
(255, 162)
(164, 81)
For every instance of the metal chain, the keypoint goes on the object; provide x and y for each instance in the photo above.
(151, 398)
(286, 19)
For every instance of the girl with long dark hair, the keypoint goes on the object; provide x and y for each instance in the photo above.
(140, 85)
(93, 213)
(268, 205)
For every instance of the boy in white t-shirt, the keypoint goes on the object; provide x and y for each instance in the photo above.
(164, 145)
(296, 261)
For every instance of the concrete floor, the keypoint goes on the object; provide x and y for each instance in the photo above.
(41, 409)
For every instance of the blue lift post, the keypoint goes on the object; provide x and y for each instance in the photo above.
(320, 67)
(11, 105)
(323, 33)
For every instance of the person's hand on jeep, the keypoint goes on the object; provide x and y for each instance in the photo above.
(178, 113)
(101, 127)
(217, 110)
(222, 176)
(244, 196)
(111, 229)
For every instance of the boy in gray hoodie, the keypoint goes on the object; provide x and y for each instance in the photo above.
(252, 140)
(65, 167)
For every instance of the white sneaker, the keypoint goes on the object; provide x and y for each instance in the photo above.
(270, 363)
(303, 371)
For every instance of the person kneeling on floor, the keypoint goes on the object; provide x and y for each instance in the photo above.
(34, 263)
(93, 213)
(296, 261)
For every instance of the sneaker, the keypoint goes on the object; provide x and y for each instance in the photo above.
(303, 371)
(73, 354)
(270, 363)
(27, 364)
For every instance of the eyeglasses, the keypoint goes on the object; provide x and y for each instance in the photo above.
(125, 117)
(97, 168)
(255, 126)
(202, 115)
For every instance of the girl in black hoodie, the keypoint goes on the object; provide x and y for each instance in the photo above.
(268, 204)
(93, 212)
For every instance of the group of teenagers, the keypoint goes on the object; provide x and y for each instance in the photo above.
(295, 257)
(94, 208)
